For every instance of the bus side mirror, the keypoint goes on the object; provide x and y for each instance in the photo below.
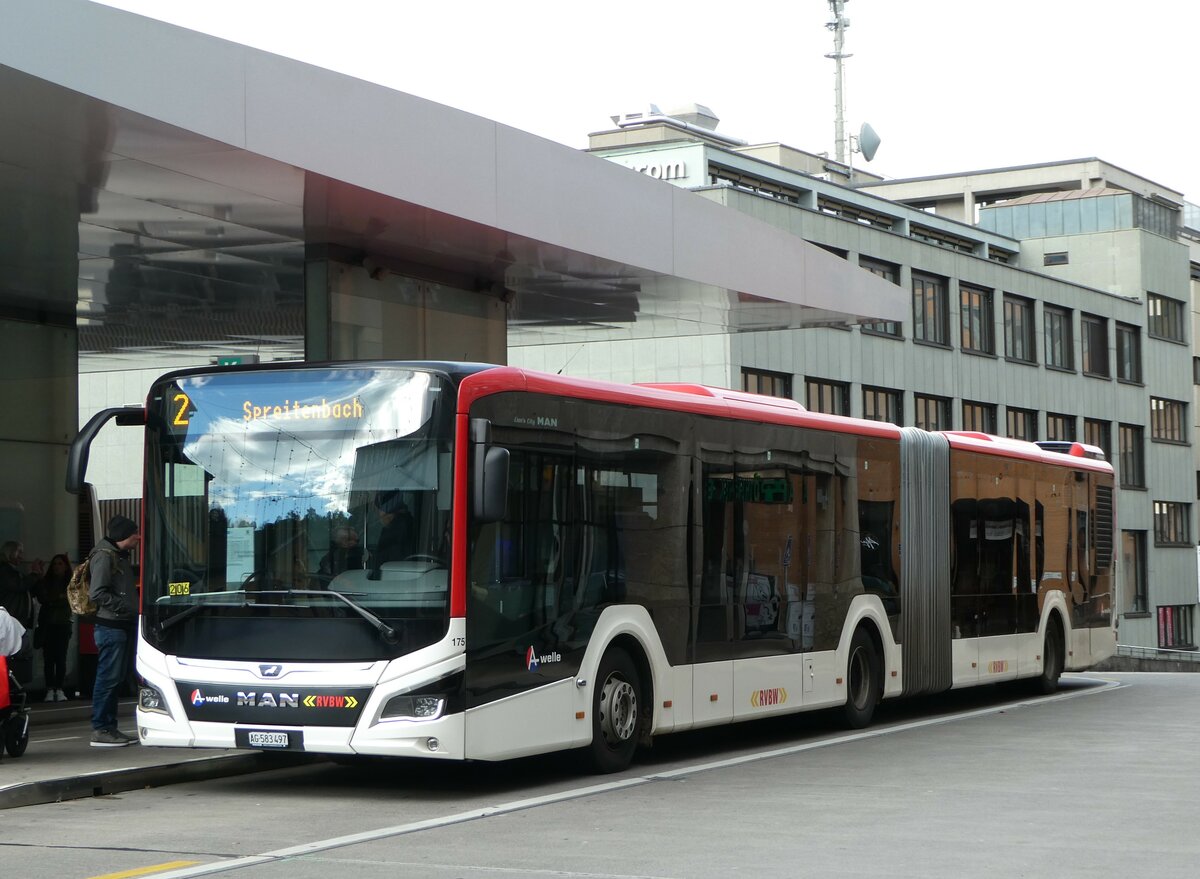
(77, 456)
(489, 497)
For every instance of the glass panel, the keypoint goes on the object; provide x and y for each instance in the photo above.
(272, 493)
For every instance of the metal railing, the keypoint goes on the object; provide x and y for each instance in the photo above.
(1158, 653)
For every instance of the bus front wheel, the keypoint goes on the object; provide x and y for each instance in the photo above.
(616, 712)
(864, 680)
(1053, 660)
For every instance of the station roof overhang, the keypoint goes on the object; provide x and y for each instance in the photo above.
(166, 165)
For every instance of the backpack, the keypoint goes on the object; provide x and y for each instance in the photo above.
(80, 584)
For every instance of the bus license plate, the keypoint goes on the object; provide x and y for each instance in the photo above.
(291, 740)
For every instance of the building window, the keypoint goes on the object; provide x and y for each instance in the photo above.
(831, 398)
(976, 317)
(1018, 330)
(1166, 420)
(882, 404)
(1132, 451)
(930, 318)
(979, 416)
(1175, 627)
(773, 384)
(1095, 433)
(1133, 571)
(1060, 342)
(1129, 353)
(1093, 338)
(1021, 423)
(1165, 318)
(1196, 370)
(1060, 428)
(933, 413)
(892, 273)
(1055, 259)
(1171, 526)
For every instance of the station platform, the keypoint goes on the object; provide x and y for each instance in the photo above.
(60, 764)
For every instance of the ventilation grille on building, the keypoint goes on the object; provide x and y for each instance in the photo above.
(1102, 523)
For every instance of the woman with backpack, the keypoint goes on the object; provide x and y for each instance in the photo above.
(53, 633)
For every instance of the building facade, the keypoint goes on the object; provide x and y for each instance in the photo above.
(1049, 302)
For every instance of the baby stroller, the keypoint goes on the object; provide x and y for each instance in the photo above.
(14, 712)
(14, 702)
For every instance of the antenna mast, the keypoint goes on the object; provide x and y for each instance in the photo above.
(839, 25)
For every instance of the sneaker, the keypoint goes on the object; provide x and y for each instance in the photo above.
(60, 696)
(111, 738)
(50, 696)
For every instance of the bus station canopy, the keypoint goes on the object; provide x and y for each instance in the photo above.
(145, 168)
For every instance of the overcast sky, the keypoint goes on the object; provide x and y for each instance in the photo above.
(950, 85)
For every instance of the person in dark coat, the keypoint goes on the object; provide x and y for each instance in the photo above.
(53, 631)
(16, 596)
(113, 590)
(397, 534)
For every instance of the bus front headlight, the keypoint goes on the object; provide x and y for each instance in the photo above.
(150, 698)
(409, 707)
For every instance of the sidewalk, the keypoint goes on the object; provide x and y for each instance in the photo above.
(60, 763)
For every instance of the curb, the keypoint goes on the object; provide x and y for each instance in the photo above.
(98, 784)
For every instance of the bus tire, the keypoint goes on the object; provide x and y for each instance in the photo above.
(616, 712)
(864, 680)
(1053, 659)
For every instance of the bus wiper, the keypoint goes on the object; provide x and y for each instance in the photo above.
(190, 611)
(388, 633)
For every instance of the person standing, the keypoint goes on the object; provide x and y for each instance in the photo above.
(16, 596)
(113, 589)
(53, 632)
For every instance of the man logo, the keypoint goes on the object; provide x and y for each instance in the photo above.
(531, 660)
(270, 671)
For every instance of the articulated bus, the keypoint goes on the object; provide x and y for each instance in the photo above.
(462, 561)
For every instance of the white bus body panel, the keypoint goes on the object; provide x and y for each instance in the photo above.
(712, 693)
(532, 722)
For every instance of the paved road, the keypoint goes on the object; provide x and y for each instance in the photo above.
(1098, 782)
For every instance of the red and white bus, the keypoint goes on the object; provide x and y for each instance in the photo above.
(462, 561)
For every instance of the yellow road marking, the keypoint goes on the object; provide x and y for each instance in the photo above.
(146, 871)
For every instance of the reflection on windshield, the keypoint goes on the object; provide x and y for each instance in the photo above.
(297, 483)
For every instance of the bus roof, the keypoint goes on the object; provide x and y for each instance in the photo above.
(743, 406)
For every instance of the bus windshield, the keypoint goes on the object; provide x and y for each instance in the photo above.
(297, 515)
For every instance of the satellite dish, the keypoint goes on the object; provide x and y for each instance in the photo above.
(868, 141)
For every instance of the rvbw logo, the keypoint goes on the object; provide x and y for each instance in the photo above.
(533, 660)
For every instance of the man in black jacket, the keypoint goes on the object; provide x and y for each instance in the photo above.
(113, 589)
(16, 596)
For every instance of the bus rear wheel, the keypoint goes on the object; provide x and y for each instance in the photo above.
(616, 712)
(864, 680)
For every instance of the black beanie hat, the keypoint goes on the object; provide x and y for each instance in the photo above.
(119, 528)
